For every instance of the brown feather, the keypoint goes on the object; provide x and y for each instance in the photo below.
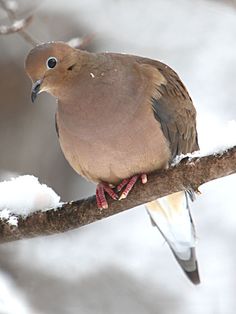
(173, 108)
(118, 115)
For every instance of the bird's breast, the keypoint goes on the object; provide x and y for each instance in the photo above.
(112, 146)
(107, 130)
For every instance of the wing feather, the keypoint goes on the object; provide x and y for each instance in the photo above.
(173, 108)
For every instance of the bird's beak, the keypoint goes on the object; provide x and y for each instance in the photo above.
(35, 89)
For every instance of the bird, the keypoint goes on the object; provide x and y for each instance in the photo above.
(120, 117)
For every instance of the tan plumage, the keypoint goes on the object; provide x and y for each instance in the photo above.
(118, 115)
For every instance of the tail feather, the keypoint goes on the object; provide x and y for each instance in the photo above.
(190, 267)
(171, 215)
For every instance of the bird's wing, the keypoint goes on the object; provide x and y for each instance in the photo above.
(174, 110)
(172, 107)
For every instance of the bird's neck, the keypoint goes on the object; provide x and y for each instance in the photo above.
(91, 103)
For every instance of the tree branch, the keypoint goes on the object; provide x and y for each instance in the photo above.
(188, 174)
(18, 26)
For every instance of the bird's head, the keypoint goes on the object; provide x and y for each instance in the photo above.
(49, 65)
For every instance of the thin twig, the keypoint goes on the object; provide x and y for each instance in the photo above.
(188, 174)
(17, 26)
(22, 24)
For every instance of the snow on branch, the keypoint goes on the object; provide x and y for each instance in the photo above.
(189, 173)
(81, 43)
(17, 26)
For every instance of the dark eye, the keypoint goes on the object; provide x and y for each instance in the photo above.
(51, 62)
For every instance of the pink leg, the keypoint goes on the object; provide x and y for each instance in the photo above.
(122, 184)
(126, 181)
(110, 191)
(130, 184)
(100, 195)
(127, 184)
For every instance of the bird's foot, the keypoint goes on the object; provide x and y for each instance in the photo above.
(129, 184)
(100, 195)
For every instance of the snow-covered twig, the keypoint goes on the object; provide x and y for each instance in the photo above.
(81, 43)
(18, 26)
(187, 174)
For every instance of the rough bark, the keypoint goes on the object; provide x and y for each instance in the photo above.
(189, 173)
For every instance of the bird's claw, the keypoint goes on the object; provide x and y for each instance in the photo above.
(100, 195)
(127, 184)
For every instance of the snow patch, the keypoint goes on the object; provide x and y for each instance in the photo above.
(214, 139)
(75, 42)
(23, 195)
(12, 5)
(19, 24)
(5, 213)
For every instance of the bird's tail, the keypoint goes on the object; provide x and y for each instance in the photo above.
(171, 215)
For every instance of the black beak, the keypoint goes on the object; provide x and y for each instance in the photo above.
(35, 90)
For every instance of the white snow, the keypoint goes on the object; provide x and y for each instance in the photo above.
(216, 137)
(19, 24)
(12, 5)
(121, 264)
(6, 215)
(75, 42)
(15, 27)
(213, 139)
(13, 221)
(23, 195)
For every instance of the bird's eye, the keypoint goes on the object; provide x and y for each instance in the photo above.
(51, 62)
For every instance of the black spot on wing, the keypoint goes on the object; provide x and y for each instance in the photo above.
(177, 123)
(168, 125)
(70, 68)
(56, 125)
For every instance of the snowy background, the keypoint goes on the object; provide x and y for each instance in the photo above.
(121, 264)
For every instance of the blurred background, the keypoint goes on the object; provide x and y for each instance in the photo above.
(120, 264)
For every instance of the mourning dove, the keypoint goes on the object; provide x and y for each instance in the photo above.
(119, 117)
